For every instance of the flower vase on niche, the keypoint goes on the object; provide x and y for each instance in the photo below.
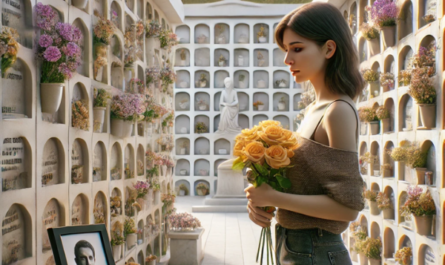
(101, 97)
(203, 81)
(202, 39)
(221, 61)
(281, 83)
(241, 81)
(183, 84)
(262, 35)
(282, 104)
(243, 38)
(261, 60)
(183, 58)
(261, 84)
(221, 39)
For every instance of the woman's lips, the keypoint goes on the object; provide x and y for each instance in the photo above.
(295, 72)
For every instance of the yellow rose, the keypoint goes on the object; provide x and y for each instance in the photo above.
(265, 124)
(290, 153)
(289, 140)
(250, 134)
(238, 148)
(272, 135)
(254, 152)
(276, 156)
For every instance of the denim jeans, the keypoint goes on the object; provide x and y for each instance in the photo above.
(309, 247)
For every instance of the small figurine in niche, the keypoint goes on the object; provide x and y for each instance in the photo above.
(184, 104)
(203, 80)
(260, 58)
(222, 60)
(202, 105)
(183, 149)
(183, 57)
(281, 83)
(262, 35)
(202, 38)
(76, 174)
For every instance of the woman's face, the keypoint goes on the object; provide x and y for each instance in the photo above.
(305, 58)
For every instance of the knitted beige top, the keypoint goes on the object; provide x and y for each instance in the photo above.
(321, 169)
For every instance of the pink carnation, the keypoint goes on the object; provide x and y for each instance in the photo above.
(52, 54)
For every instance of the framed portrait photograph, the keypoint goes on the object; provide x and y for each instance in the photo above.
(81, 245)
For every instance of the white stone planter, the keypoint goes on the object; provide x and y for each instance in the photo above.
(241, 84)
(117, 252)
(183, 84)
(221, 63)
(261, 107)
(428, 115)
(183, 63)
(99, 117)
(99, 74)
(281, 106)
(261, 84)
(373, 208)
(121, 128)
(128, 74)
(202, 84)
(81, 4)
(202, 107)
(240, 61)
(157, 197)
(261, 63)
(131, 240)
(374, 127)
(181, 192)
(282, 84)
(374, 46)
(51, 96)
(182, 151)
(262, 39)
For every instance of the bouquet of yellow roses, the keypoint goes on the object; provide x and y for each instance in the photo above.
(266, 149)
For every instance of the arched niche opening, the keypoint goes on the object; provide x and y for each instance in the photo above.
(221, 147)
(389, 214)
(260, 79)
(83, 68)
(201, 167)
(278, 57)
(17, 234)
(140, 167)
(80, 210)
(243, 121)
(201, 187)
(116, 202)
(243, 99)
(80, 103)
(390, 106)
(182, 167)
(362, 50)
(241, 79)
(116, 162)
(202, 101)
(202, 79)
(261, 33)
(182, 79)
(389, 70)
(17, 172)
(183, 33)
(17, 92)
(53, 216)
(362, 151)
(129, 162)
(389, 243)
(219, 78)
(202, 146)
(79, 162)
(99, 162)
(242, 33)
(182, 57)
(202, 34)
(280, 102)
(428, 147)
(182, 101)
(100, 208)
(222, 33)
(375, 230)
(202, 120)
(182, 187)
(281, 79)
(284, 120)
(53, 163)
(387, 168)
(353, 18)
(241, 57)
(405, 24)
(116, 14)
(406, 113)
(260, 101)
(182, 124)
(376, 162)
(261, 58)
(427, 12)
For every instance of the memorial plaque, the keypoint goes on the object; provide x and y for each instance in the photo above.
(50, 219)
(50, 164)
(14, 15)
(98, 163)
(12, 164)
(14, 237)
(13, 94)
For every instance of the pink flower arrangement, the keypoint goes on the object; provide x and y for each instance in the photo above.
(167, 76)
(137, 86)
(127, 106)
(58, 46)
(152, 74)
(141, 188)
(181, 221)
(384, 13)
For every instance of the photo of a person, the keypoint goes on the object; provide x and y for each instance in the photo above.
(84, 253)
(84, 249)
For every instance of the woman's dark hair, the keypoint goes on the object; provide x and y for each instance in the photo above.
(321, 22)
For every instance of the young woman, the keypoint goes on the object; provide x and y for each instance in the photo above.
(326, 191)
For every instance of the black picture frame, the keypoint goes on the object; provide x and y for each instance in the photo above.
(55, 237)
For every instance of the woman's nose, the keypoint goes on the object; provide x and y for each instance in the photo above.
(287, 60)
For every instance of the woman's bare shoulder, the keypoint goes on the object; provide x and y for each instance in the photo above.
(341, 126)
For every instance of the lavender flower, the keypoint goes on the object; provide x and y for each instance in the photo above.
(52, 54)
(65, 71)
(71, 49)
(45, 41)
(384, 13)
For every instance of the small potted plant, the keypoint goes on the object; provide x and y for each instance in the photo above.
(387, 81)
(260, 58)
(384, 14)
(156, 191)
(125, 110)
(102, 33)
(202, 81)
(372, 77)
(222, 60)
(80, 115)
(183, 222)
(384, 204)
(203, 172)
(258, 105)
(373, 251)
(261, 35)
(202, 105)
(416, 159)
(261, 83)
(371, 34)
(404, 256)
(221, 39)
(116, 243)
(241, 83)
(383, 115)
(240, 60)
(183, 57)
(152, 77)
(150, 260)
(202, 189)
(101, 97)
(386, 170)
(404, 77)
(201, 127)
(141, 188)
(360, 247)
(369, 116)
(243, 38)
(424, 93)
(282, 104)
(371, 196)
(57, 66)
(130, 232)
(420, 205)
(202, 38)
(429, 18)
(183, 190)
(281, 83)
(9, 48)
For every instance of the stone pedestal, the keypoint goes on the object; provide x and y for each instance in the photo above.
(230, 196)
(186, 247)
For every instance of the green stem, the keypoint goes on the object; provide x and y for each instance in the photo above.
(259, 244)
(262, 248)
(267, 238)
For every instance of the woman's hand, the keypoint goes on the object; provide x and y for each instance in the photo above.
(260, 196)
(259, 216)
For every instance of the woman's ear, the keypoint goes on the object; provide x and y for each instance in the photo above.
(331, 46)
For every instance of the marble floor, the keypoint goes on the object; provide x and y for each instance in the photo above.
(229, 238)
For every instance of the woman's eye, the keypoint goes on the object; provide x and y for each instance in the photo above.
(297, 50)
